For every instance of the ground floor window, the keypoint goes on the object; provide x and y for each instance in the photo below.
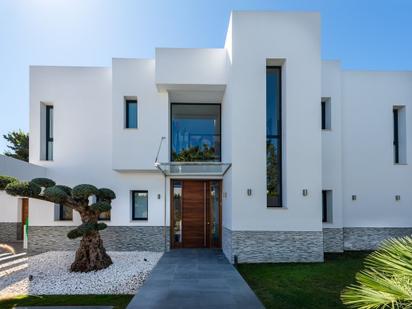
(63, 213)
(327, 206)
(140, 205)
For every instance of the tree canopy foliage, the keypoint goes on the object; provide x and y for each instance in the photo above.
(18, 143)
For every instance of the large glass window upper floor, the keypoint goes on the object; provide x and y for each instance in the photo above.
(196, 134)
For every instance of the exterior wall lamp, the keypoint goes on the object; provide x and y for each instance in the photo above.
(249, 192)
(305, 192)
(397, 197)
(353, 197)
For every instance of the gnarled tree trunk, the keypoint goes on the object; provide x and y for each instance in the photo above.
(91, 255)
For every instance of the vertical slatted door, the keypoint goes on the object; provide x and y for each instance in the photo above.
(194, 214)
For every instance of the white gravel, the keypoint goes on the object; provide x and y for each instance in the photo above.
(51, 275)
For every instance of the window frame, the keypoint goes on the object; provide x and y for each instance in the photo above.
(133, 203)
(278, 136)
(60, 205)
(48, 138)
(171, 132)
(396, 135)
(127, 113)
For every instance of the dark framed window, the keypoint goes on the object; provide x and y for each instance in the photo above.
(49, 133)
(104, 216)
(327, 206)
(326, 114)
(324, 206)
(64, 213)
(140, 201)
(396, 135)
(196, 132)
(273, 136)
(131, 114)
(323, 104)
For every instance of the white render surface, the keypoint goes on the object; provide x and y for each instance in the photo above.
(127, 273)
(354, 157)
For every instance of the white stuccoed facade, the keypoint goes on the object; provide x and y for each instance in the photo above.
(354, 157)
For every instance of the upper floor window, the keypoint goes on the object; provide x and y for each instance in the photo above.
(326, 114)
(196, 132)
(49, 140)
(140, 201)
(399, 135)
(131, 114)
(273, 137)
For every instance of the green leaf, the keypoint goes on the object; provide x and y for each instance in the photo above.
(82, 192)
(55, 195)
(26, 189)
(5, 180)
(43, 182)
(101, 206)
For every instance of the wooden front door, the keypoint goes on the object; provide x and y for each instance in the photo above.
(24, 215)
(196, 214)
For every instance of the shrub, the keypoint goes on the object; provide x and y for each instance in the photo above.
(5, 180)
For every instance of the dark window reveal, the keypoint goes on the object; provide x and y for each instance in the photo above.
(140, 205)
(131, 114)
(273, 137)
(396, 135)
(49, 133)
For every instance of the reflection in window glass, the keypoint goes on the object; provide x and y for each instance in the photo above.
(215, 211)
(177, 212)
(131, 114)
(273, 137)
(66, 213)
(195, 132)
(139, 205)
(49, 132)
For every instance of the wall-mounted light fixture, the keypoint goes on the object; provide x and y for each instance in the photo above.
(159, 196)
(397, 197)
(353, 197)
(249, 192)
(305, 192)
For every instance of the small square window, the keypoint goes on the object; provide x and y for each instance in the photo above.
(140, 205)
(62, 213)
(131, 114)
(326, 114)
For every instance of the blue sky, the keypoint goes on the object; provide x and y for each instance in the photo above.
(372, 35)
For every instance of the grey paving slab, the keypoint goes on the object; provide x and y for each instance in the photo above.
(65, 307)
(195, 278)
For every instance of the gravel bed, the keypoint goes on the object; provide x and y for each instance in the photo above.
(51, 275)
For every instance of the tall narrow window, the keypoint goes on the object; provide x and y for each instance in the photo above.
(326, 114)
(49, 132)
(396, 135)
(273, 137)
(140, 205)
(399, 135)
(131, 114)
(327, 206)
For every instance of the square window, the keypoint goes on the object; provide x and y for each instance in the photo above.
(140, 205)
(62, 213)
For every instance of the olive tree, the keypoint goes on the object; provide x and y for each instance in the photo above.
(91, 255)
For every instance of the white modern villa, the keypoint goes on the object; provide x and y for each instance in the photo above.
(259, 148)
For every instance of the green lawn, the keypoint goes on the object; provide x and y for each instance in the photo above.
(118, 301)
(303, 285)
